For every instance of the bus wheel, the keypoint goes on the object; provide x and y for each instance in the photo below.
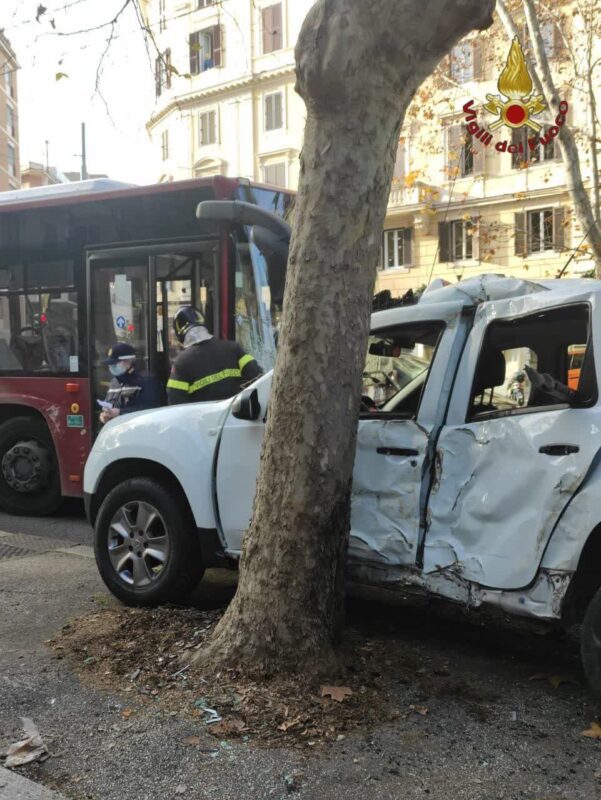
(29, 477)
(146, 545)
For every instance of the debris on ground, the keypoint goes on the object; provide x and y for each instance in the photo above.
(146, 654)
(28, 750)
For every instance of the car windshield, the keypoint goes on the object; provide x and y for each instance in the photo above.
(385, 376)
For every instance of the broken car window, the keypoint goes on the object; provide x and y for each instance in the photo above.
(396, 368)
(532, 362)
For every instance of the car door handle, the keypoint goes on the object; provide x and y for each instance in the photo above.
(397, 451)
(559, 449)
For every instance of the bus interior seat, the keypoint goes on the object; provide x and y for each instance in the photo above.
(29, 351)
(59, 334)
(8, 359)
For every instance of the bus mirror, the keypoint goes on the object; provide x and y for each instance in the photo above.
(246, 405)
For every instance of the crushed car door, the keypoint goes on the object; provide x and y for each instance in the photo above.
(518, 444)
(402, 384)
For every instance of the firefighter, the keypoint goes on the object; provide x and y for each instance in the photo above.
(208, 368)
(128, 390)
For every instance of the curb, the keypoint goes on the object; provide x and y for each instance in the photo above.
(15, 787)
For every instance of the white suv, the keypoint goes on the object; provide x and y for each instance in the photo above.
(459, 490)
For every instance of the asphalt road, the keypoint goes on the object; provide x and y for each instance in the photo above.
(491, 732)
(69, 524)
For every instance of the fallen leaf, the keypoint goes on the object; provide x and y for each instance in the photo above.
(227, 727)
(60, 75)
(594, 732)
(555, 680)
(338, 693)
(127, 712)
(422, 710)
(191, 741)
(289, 723)
(27, 750)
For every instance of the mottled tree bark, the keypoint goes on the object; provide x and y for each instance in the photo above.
(358, 67)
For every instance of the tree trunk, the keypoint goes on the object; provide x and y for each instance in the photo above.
(544, 84)
(358, 66)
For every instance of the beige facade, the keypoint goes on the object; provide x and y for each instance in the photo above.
(9, 126)
(235, 111)
(226, 104)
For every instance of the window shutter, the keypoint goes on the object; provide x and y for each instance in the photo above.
(477, 67)
(168, 68)
(267, 22)
(407, 247)
(479, 152)
(521, 234)
(559, 45)
(194, 54)
(399, 164)
(268, 113)
(559, 238)
(444, 242)
(217, 48)
(157, 76)
(454, 136)
(476, 231)
(276, 21)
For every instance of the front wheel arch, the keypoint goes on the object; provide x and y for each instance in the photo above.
(120, 471)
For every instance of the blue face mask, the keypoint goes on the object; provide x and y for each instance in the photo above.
(117, 369)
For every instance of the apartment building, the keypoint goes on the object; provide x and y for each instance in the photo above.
(9, 128)
(225, 104)
(235, 111)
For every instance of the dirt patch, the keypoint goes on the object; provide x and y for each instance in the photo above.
(145, 655)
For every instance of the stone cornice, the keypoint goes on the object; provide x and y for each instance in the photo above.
(222, 90)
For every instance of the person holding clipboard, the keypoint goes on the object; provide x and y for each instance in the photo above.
(128, 390)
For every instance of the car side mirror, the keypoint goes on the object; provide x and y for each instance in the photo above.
(246, 405)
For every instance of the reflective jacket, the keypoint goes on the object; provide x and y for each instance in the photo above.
(133, 392)
(210, 370)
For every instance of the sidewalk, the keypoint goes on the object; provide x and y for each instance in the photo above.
(14, 787)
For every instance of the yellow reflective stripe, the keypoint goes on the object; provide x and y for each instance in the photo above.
(181, 385)
(244, 361)
(215, 378)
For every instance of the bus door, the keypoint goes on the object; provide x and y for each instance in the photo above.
(134, 293)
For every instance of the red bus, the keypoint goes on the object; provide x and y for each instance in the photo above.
(85, 265)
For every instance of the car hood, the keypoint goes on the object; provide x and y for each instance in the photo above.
(157, 423)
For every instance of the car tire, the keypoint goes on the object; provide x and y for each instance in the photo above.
(146, 544)
(590, 645)
(29, 475)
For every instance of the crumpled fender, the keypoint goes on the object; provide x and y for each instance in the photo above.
(579, 519)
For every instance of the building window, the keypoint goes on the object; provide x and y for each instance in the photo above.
(274, 117)
(207, 131)
(162, 72)
(461, 154)
(205, 50)
(465, 62)
(271, 21)
(456, 240)
(539, 231)
(275, 174)
(8, 82)
(532, 155)
(165, 145)
(397, 248)
(11, 122)
(12, 160)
